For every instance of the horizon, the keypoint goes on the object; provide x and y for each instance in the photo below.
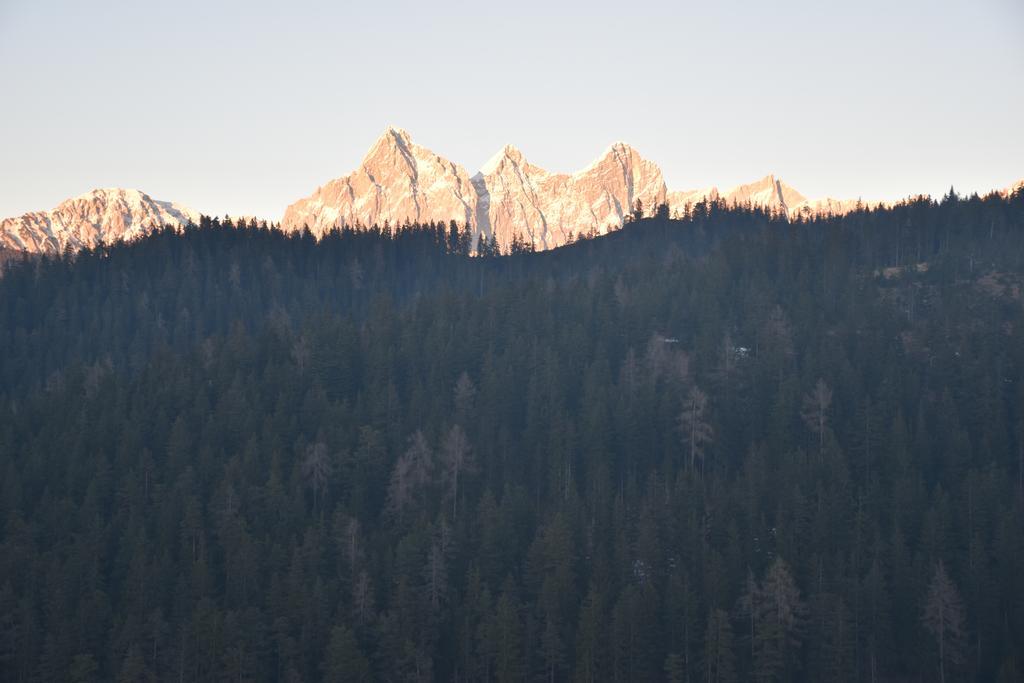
(272, 219)
(891, 111)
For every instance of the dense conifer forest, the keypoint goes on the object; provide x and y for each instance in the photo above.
(721, 447)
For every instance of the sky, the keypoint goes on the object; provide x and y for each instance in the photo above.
(241, 108)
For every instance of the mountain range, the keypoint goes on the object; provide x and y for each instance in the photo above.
(510, 197)
(399, 181)
(102, 216)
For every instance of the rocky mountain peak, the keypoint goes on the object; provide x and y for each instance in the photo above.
(507, 154)
(399, 181)
(101, 216)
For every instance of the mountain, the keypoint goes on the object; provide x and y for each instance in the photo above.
(400, 181)
(547, 209)
(99, 217)
(826, 206)
(397, 181)
(768, 193)
(680, 199)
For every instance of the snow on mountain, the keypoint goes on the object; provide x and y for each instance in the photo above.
(400, 181)
(511, 198)
(517, 198)
(397, 181)
(99, 217)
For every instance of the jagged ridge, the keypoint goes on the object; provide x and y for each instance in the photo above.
(509, 197)
(101, 216)
(399, 181)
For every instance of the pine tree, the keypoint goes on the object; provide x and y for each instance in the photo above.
(815, 412)
(316, 470)
(507, 634)
(675, 672)
(457, 456)
(779, 624)
(83, 669)
(694, 426)
(719, 658)
(589, 638)
(343, 660)
(944, 619)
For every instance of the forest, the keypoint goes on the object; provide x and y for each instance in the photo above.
(723, 446)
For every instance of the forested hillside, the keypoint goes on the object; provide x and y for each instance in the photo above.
(726, 447)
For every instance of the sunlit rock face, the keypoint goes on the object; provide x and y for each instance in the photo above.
(824, 207)
(99, 217)
(397, 182)
(681, 200)
(400, 182)
(547, 209)
(511, 199)
(769, 193)
(773, 194)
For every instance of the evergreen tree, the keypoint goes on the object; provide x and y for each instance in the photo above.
(944, 619)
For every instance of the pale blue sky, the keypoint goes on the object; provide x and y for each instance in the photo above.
(243, 107)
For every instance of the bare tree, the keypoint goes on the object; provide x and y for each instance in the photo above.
(655, 356)
(316, 470)
(815, 411)
(347, 532)
(780, 615)
(776, 335)
(412, 472)
(719, 658)
(436, 575)
(300, 353)
(723, 374)
(458, 457)
(355, 273)
(465, 393)
(401, 486)
(747, 606)
(622, 293)
(1020, 461)
(362, 597)
(629, 374)
(944, 619)
(693, 424)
